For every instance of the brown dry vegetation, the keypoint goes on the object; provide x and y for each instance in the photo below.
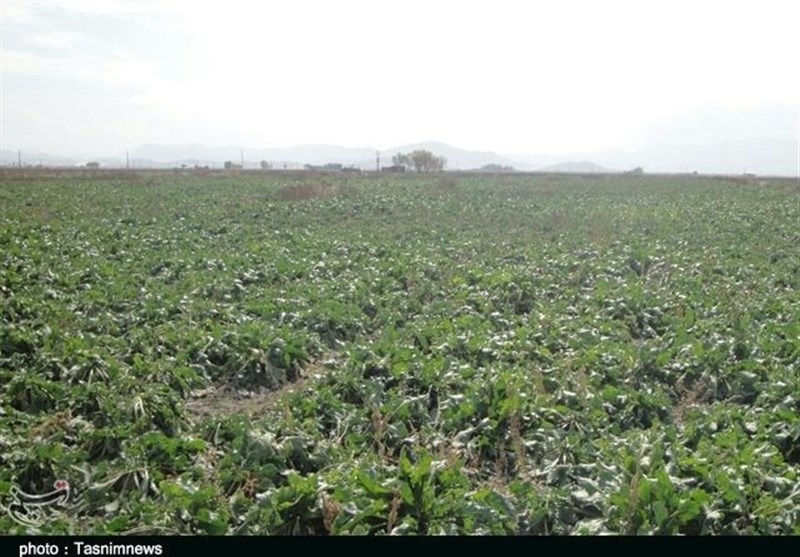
(224, 400)
(303, 192)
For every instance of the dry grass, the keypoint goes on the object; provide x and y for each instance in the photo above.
(330, 511)
(379, 423)
(394, 508)
(447, 184)
(690, 397)
(303, 192)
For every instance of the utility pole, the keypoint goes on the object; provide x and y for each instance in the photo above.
(241, 153)
(127, 161)
(377, 161)
(19, 158)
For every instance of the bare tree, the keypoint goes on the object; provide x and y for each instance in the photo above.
(420, 160)
(401, 159)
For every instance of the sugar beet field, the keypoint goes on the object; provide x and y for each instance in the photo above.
(433, 354)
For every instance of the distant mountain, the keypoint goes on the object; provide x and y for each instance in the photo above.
(579, 167)
(11, 158)
(194, 151)
(763, 156)
(363, 157)
(216, 156)
(539, 161)
(321, 154)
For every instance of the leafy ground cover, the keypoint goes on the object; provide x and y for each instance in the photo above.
(278, 354)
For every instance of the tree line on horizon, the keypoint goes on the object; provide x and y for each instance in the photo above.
(420, 161)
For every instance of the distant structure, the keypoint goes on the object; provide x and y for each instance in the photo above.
(330, 167)
(394, 168)
(496, 168)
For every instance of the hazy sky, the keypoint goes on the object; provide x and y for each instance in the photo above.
(513, 77)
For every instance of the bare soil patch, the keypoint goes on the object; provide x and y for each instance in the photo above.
(302, 192)
(225, 400)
